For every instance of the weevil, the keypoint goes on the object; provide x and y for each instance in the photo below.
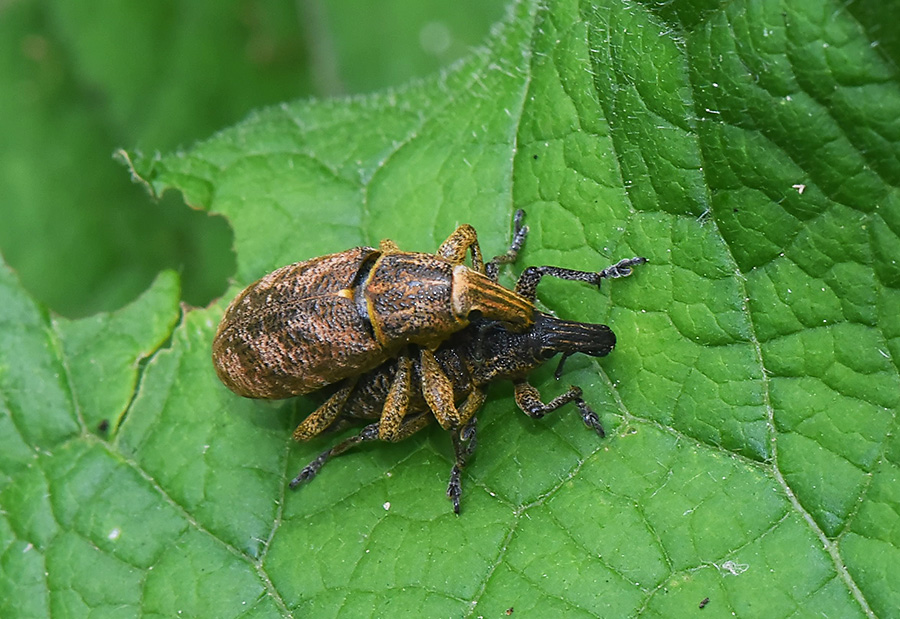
(317, 322)
(470, 360)
(486, 351)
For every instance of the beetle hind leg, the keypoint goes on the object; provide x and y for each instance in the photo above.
(369, 433)
(529, 400)
(326, 414)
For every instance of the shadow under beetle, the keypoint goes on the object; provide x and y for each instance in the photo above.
(407, 335)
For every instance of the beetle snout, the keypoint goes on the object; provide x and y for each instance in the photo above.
(569, 337)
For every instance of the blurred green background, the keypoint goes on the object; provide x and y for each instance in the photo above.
(79, 80)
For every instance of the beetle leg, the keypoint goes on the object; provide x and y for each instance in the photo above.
(464, 443)
(438, 391)
(529, 400)
(412, 425)
(368, 433)
(325, 415)
(464, 239)
(473, 402)
(492, 268)
(528, 281)
(396, 404)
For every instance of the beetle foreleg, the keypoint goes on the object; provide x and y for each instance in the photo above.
(528, 281)
(437, 390)
(529, 400)
(396, 404)
(462, 240)
(323, 416)
(464, 443)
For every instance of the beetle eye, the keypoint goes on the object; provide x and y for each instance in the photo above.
(548, 353)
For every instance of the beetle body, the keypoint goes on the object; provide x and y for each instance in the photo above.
(316, 322)
(483, 353)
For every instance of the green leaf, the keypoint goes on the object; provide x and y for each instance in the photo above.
(748, 149)
(67, 495)
(90, 78)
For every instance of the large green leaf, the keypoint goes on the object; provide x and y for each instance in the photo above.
(748, 149)
(80, 79)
